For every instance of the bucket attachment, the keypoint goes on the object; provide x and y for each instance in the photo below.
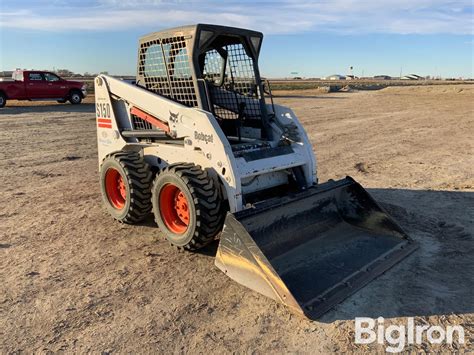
(312, 250)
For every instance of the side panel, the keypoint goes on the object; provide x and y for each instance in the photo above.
(288, 124)
(57, 89)
(204, 141)
(109, 139)
(14, 90)
(36, 86)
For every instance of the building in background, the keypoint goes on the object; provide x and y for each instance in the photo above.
(412, 77)
(335, 77)
(382, 77)
(6, 74)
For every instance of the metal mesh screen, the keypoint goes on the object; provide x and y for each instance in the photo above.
(239, 84)
(164, 65)
(140, 124)
(213, 65)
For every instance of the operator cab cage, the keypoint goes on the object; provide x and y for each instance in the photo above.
(210, 67)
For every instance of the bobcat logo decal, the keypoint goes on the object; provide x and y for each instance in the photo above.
(174, 117)
(200, 136)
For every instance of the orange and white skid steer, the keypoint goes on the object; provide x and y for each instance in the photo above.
(197, 141)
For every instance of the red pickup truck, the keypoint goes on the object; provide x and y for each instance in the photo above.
(41, 85)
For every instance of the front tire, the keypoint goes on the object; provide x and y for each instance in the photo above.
(3, 100)
(75, 97)
(125, 181)
(187, 206)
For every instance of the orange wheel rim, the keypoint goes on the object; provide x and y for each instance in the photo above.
(115, 188)
(174, 208)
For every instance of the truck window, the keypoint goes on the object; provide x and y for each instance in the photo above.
(35, 76)
(51, 77)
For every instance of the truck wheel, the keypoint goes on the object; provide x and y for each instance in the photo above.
(3, 99)
(125, 181)
(62, 101)
(187, 206)
(75, 98)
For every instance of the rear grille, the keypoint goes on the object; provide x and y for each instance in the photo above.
(140, 124)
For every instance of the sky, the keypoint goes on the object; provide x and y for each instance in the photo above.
(311, 38)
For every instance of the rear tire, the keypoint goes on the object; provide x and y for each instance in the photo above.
(62, 101)
(125, 181)
(75, 97)
(187, 206)
(3, 99)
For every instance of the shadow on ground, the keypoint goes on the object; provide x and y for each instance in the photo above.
(323, 96)
(208, 250)
(58, 108)
(438, 278)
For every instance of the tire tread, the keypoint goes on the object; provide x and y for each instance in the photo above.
(139, 177)
(206, 199)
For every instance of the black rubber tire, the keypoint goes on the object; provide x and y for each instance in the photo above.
(205, 205)
(62, 101)
(137, 178)
(3, 99)
(75, 97)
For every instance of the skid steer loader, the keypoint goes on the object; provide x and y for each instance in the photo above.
(195, 142)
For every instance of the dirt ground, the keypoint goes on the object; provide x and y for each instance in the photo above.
(73, 279)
